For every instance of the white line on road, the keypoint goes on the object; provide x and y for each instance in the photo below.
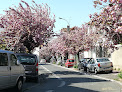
(86, 74)
(50, 91)
(62, 82)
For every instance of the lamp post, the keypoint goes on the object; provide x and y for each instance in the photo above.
(68, 26)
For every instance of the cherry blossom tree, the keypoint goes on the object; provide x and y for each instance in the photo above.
(109, 20)
(74, 41)
(45, 52)
(29, 26)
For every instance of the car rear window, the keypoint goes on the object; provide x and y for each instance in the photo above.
(103, 60)
(71, 60)
(26, 60)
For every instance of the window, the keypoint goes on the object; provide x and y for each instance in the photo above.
(13, 60)
(3, 59)
(26, 59)
(103, 60)
(91, 61)
(71, 60)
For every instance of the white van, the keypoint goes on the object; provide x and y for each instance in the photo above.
(12, 73)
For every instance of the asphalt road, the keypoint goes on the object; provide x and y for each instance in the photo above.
(58, 79)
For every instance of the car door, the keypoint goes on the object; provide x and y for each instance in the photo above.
(66, 62)
(15, 69)
(4, 70)
(92, 64)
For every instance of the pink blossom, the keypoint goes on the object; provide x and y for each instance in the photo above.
(112, 1)
(119, 29)
(104, 1)
(95, 2)
(116, 6)
(119, 1)
(90, 16)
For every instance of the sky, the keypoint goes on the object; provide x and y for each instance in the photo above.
(75, 12)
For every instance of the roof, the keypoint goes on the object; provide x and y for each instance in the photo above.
(6, 51)
(25, 54)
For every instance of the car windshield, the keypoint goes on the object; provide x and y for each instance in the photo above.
(102, 60)
(71, 60)
(26, 60)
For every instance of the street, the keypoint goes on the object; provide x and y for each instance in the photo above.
(59, 79)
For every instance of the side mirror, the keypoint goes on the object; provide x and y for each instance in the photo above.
(18, 62)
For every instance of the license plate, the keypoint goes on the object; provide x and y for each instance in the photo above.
(28, 71)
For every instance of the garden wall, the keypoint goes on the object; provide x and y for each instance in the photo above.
(116, 58)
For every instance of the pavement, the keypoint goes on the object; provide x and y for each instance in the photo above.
(107, 76)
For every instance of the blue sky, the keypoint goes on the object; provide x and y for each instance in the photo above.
(76, 12)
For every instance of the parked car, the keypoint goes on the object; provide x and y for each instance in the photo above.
(30, 63)
(99, 64)
(42, 61)
(83, 63)
(12, 73)
(69, 62)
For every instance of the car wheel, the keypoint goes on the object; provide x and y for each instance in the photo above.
(85, 69)
(79, 68)
(95, 71)
(37, 79)
(19, 85)
(111, 71)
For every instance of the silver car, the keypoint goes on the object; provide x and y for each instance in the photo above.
(99, 64)
(42, 61)
(12, 73)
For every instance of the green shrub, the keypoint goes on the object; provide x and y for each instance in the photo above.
(114, 68)
(59, 63)
(118, 69)
(75, 66)
(54, 62)
(120, 75)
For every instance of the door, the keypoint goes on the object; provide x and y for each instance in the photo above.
(15, 69)
(91, 63)
(4, 70)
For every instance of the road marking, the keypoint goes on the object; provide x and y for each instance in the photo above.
(91, 75)
(50, 91)
(46, 69)
(108, 88)
(62, 82)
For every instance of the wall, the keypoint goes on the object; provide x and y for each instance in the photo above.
(116, 58)
(90, 54)
(36, 52)
(71, 56)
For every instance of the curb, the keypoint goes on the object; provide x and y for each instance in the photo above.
(92, 75)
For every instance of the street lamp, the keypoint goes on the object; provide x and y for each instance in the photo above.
(68, 26)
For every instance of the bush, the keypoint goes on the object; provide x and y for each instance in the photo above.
(75, 66)
(54, 62)
(59, 63)
(118, 69)
(120, 75)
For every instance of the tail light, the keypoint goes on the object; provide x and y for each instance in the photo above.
(37, 67)
(111, 64)
(98, 64)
